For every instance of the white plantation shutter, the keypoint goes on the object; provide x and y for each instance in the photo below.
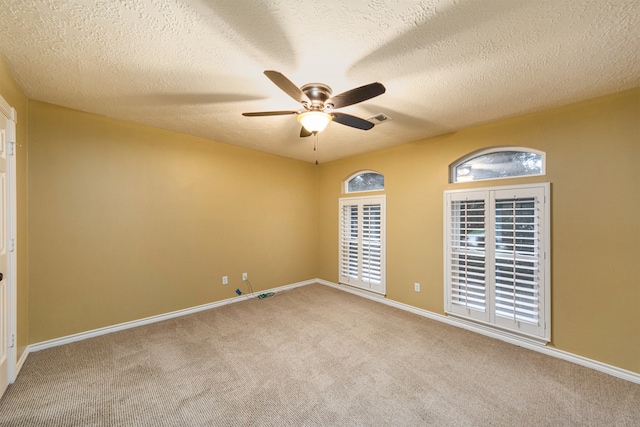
(362, 235)
(467, 256)
(519, 259)
(371, 243)
(497, 243)
(349, 241)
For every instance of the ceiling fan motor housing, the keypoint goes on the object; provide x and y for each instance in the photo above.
(318, 93)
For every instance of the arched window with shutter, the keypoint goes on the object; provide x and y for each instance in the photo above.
(361, 239)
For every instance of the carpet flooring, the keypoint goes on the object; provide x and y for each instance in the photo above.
(311, 356)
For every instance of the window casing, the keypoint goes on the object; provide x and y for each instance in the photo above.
(496, 163)
(362, 242)
(497, 258)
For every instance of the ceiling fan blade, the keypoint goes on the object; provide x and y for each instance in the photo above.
(352, 121)
(287, 86)
(304, 132)
(270, 113)
(356, 95)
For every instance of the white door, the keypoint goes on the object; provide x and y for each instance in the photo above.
(5, 307)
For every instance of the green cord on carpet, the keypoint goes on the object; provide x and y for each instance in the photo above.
(266, 295)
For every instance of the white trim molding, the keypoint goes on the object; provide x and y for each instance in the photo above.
(534, 345)
(8, 110)
(21, 360)
(12, 237)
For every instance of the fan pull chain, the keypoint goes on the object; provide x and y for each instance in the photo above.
(315, 146)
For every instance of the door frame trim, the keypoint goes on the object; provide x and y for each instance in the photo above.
(12, 249)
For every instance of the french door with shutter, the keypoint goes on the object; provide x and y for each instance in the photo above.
(362, 242)
(497, 257)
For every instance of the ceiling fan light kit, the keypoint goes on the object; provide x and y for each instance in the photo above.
(315, 121)
(318, 104)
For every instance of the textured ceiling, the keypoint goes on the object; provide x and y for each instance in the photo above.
(194, 66)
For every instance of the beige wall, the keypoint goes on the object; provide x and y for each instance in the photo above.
(128, 221)
(593, 149)
(13, 94)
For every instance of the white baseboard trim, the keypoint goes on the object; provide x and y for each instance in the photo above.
(521, 342)
(19, 363)
(153, 319)
(550, 351)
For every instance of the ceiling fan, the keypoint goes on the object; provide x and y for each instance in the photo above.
(318, 104)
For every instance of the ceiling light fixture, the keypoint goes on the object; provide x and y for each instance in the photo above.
(315, 121)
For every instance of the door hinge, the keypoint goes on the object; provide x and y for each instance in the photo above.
(12, 147)
(12, 245)
(13, 341)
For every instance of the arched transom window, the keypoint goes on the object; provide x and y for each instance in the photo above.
(495, 163)
(364, 181)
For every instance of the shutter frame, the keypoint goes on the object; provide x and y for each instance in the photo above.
(370, 247)
(465, 260)
(517, 281)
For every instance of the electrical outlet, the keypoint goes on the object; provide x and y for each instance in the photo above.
(225, 280)
(416, 287)
(244, 276)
